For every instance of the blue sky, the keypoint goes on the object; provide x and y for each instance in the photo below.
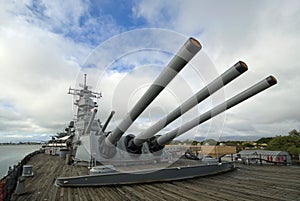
(45, 46)
(108, 17)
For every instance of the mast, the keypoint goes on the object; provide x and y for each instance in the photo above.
(86, 104)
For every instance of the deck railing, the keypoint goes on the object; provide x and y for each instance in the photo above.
(9, 182)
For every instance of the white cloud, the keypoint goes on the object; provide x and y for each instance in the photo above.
(42, 45)
(264, 34)
(37, 67)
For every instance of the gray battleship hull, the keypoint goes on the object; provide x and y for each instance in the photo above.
(146, 176)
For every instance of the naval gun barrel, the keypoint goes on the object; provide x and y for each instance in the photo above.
(229, 75)
(157, 143)
(108, 120)
(185, 54)
(89, 126)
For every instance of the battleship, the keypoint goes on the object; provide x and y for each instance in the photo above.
(89, 143)
(115, 157)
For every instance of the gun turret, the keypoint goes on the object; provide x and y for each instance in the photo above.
(158, 142)
(145, 142)
(134, 144)
(184, 55)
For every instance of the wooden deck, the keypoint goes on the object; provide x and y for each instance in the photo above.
(245, 183)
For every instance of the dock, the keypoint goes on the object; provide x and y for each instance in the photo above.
(253, 182)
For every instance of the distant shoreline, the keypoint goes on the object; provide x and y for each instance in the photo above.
(25, 143)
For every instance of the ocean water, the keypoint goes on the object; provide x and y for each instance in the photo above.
(11, 154)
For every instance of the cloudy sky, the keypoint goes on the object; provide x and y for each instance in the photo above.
(46, 46)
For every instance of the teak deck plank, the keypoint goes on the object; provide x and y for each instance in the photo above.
(246, 183)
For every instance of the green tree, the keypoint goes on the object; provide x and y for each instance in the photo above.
(264, 140)
(290, 143)
(294, 132)
(248, 145)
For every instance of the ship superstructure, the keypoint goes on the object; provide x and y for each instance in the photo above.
(86, 125)
(89, 132)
